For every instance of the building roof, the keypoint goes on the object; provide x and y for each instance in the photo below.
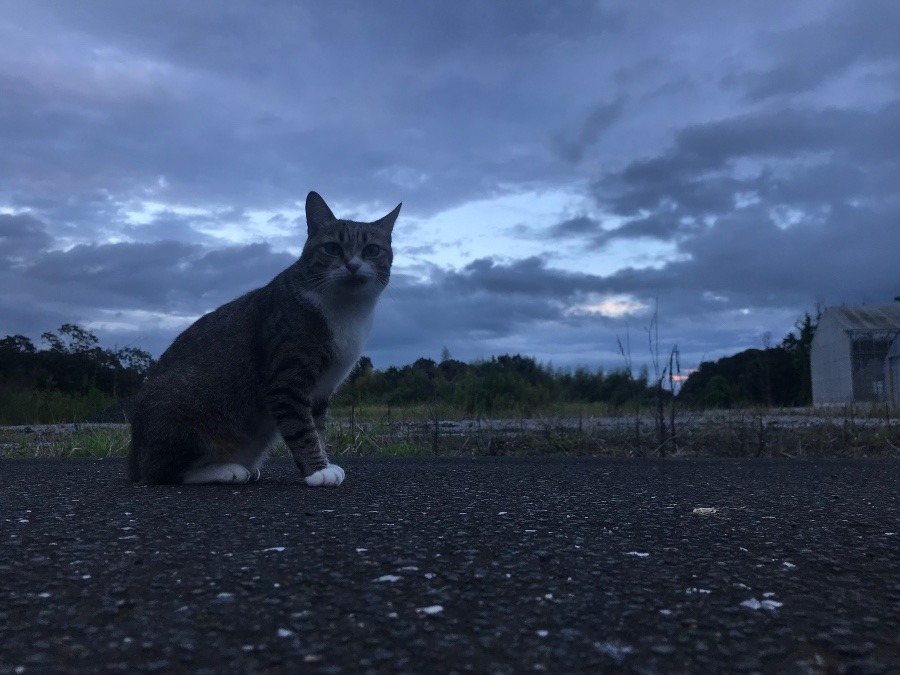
(867, 317)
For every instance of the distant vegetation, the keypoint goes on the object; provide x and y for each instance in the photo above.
(503, 384)
(776, 376)
(73, 379)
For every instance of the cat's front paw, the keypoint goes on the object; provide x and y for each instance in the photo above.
(331, 476)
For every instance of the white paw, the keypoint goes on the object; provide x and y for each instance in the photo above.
(218, 473)
(331, 475)
(254, 475)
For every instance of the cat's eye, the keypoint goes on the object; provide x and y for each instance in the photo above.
(332, 249)
(371, 251)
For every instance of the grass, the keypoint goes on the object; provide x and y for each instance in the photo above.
(97, 442)
(377, 412)
(758, 432)
(50, 407)
(432, 431)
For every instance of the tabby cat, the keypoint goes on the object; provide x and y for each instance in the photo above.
(265, 365)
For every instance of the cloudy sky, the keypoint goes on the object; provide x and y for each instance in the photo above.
(564, 167)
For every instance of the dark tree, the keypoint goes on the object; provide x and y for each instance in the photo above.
(778, 376)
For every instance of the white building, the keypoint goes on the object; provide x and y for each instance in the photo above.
(892, 372)
(849, 351)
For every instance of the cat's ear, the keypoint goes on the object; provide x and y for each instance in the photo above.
(317, 212)
(387, 223)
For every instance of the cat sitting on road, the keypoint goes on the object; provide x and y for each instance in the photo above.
(265, 365)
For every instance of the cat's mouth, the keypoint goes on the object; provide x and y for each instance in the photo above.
(354, 280)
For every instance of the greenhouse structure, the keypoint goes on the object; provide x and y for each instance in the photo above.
(849, 354)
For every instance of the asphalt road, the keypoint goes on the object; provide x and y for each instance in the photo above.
(485, 565)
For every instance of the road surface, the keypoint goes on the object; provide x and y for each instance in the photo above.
(494, 565)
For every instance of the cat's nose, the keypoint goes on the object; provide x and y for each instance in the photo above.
(353, 265)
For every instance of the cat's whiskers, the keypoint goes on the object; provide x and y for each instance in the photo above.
(387, 292)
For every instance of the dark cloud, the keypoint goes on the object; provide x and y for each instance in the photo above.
(701, 173)
(22, 234)
(487, 306)
(808, 56)
(260, 106)
(92, 282)
(575, 227)
(522, 277)
(598, 121)
(158, 276)
(807, 163)
(778, 208)
(746, 260)
(663, 227)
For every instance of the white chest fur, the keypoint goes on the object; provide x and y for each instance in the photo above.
(349, 329)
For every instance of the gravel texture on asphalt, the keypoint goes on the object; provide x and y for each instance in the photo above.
(493, 565)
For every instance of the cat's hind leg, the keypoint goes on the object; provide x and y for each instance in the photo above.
(220, 473)
(160, 454)
(166, 447)
(255, 450)
(223, 464)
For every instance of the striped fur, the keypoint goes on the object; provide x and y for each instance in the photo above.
(265, 364)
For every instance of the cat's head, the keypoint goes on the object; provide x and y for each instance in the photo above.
(344, 258)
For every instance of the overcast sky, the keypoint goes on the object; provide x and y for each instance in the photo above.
(563, 166)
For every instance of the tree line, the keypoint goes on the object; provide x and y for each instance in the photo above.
(72, 363)
(776, 376)
(501, 383)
